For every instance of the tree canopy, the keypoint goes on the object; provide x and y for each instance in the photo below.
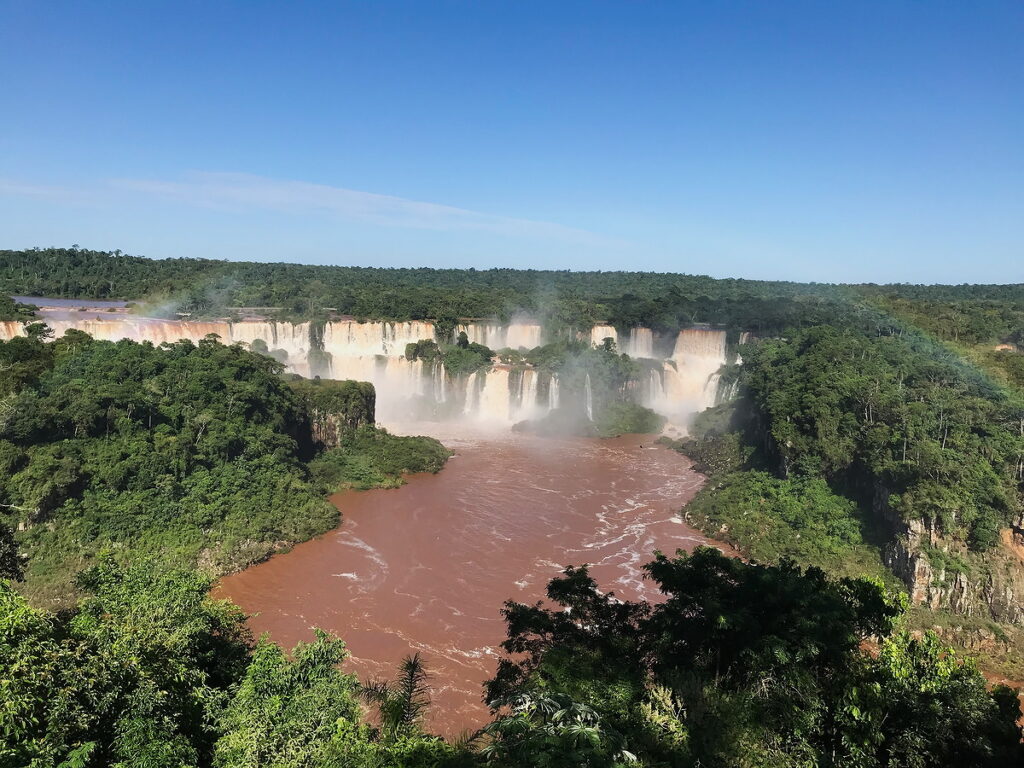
(198, 453)
(740, 664)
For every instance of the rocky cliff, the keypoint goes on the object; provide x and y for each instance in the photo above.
(945, 575)
(334, 408)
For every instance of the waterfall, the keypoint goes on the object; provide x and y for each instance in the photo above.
(9, 329)
(553, 394)
(528, 408)
(697, 357)
(440, 383)
(640, 344)
(589, 394)
(523, 336)
(601, 332)
(654, 397)
(711, 389)
(495, 397)
(700, 342)
(472, 394)
(518, 335)
(686, 382)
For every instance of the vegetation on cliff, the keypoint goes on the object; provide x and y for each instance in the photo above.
(461, 358)
(849, 450)
(335, 408)
(891, 422)
(880, 416)
(196, 454)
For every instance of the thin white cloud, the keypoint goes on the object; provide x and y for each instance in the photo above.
(238, 191)
(21, 189)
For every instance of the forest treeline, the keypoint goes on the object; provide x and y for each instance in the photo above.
(664, 302)
(200, 454)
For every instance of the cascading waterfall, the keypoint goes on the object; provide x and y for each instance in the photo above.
(472, 394)
(640, 344)
(517, 335)
(588, 395)
(601, 332)
(9, 329)
(727, 391)
(528, 406)
(655, 386)
(553, 401)
(440, 383)
(698, 355)
(523, 336)
(687, 381)
(496, 397)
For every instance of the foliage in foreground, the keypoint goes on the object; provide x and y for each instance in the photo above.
(741, 665)
(149, 672)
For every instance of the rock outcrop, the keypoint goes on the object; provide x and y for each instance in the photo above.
(334, 408)
(946, 575)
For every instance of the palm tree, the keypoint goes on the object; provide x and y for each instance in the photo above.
(401, 703)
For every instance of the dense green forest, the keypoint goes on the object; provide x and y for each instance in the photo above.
(203, 454)
(661, 301)
(890, 416)
(664, 302)
(885, 455)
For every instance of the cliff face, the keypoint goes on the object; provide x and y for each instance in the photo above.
(946, 575)
(334, 408)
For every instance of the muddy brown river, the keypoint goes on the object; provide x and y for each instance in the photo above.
(426, 567)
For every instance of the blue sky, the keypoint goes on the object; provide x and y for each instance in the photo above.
(830, 141)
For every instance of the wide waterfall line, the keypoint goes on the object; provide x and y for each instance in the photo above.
(685, 382)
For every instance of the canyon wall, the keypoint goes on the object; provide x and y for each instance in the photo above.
(677, 385)
(945, 575)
